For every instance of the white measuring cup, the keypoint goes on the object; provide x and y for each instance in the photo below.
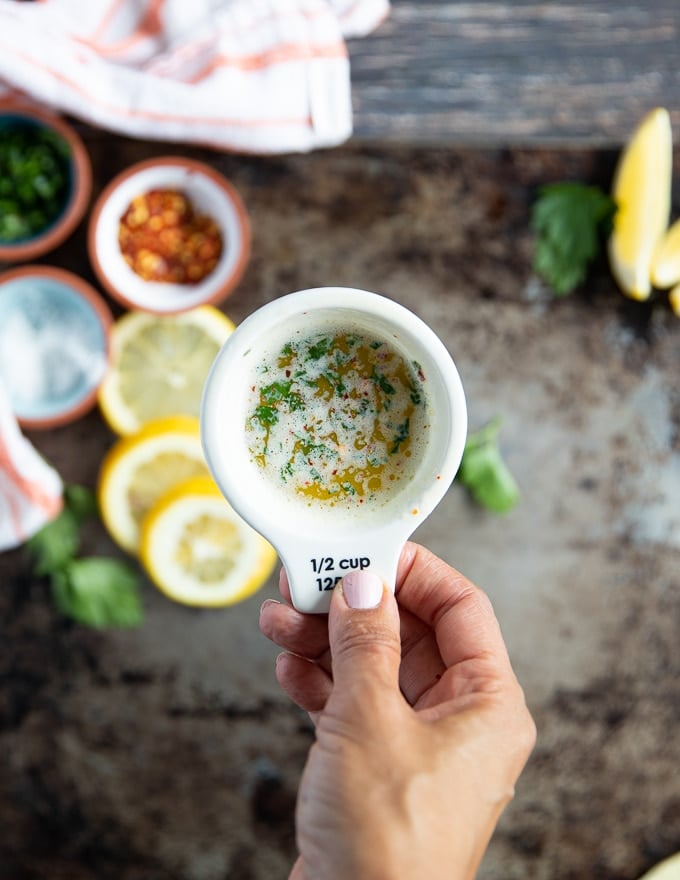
(319, 544)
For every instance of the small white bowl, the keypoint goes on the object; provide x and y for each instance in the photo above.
(209, 193)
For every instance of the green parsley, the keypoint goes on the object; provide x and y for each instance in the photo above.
(570, 220)
(484, 473)
(95, 591)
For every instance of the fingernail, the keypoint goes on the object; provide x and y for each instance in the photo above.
(362, 589)
(268, 602)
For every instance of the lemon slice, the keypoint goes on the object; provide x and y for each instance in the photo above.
(669, 869)
(674, 300)
(666, 262)
(642, 192)
(137, 470)
(198, 551)
(159, 364)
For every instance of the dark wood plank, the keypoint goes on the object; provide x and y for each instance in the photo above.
(516, 72)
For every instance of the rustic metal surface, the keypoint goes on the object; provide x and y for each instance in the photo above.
(168, 753)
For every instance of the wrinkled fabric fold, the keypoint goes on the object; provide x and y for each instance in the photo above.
(30, 490)
(262, 76)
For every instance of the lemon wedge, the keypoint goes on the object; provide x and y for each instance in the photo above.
(159, 364)
(138, 469)
(666, 262)
(642, 192)
(669, 869)
(198, 551)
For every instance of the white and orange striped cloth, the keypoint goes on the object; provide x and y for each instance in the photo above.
(30, 490)
(261, 76)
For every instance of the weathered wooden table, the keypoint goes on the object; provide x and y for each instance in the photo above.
(520, 72)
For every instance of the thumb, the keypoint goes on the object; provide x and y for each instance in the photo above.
(363, 627)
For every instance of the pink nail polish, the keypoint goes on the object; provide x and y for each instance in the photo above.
(362, 589)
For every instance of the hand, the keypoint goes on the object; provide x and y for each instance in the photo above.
(421, 725)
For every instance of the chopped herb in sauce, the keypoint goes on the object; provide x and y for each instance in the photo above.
(338, 418)
(317, 351)
(401, 436)
(266, 415)
(380, 380)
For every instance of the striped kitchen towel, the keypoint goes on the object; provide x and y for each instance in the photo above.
(261, 76)
(30, 490)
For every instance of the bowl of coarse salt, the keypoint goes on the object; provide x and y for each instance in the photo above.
(54, 344)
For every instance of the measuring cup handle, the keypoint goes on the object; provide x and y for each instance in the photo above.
(315, 569)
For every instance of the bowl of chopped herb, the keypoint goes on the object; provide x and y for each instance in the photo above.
(333, 420)
(169, 234)
(45, 180)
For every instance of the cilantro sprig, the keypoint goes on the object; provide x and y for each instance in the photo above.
(570, 220)
(484, 473)
(96, 591)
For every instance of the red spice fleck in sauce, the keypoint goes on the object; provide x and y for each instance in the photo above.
(162, 239)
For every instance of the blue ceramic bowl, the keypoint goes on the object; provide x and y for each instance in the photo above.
(54, 344)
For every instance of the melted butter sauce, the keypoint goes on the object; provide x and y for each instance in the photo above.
(338, 418)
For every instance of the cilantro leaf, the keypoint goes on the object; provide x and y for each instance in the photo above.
(570, 220)
(55, 544)
(58, 541)
(484, 473)
(95, 591)
(81, 501)
(98, 592)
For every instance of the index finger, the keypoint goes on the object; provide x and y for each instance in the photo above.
(460, 614)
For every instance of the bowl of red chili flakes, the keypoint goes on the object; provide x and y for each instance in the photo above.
(169, 234)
